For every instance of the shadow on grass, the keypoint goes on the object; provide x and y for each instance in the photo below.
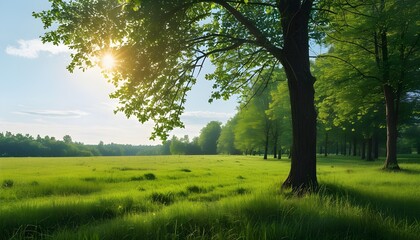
(388, 205)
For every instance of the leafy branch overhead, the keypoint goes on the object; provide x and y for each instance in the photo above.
(161, 47)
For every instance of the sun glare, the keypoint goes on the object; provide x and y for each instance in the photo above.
(108, 62)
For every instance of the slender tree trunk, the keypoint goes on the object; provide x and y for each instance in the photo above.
(345, 145)
(266, 145)
(326, 144)
(336, 148)
(369, 150)
(418, 147)
(275, 151)
(275, 140)
(363, 155)
(376, 147)
(354, 146)
(391, 130)
(391, 104)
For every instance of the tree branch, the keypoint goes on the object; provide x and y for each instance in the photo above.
(350, 64)
(261, 39)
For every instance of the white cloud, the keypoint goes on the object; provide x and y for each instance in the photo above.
(55, 113)
(33, 48)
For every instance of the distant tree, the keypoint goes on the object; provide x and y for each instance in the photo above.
(166, 147)
(250, 129)
(226, 141)
(179, 146)
(209, 136)
(280, 115)
(67, 139)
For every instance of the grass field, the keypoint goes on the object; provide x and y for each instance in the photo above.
(204, 197)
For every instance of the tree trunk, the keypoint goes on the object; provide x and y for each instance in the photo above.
(369, 150)
(354, 146)
(266, 145)
(275, 142)
(336, 148)
(344, 152)
(295, 60)
(363, 155)
(326, 144)
(376, 147)
(391, 130)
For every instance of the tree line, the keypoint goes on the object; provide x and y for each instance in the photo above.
(19, 145)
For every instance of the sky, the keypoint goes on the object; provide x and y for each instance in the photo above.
(39, 96)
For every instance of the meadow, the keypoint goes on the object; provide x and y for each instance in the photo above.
(204, 197)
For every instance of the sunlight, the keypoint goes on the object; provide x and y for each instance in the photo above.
(108, 61)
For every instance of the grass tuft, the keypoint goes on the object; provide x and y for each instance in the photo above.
(149, 176)
(138, 178)
(7, 183)
(162, 198)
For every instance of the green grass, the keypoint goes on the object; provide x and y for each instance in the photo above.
(204, 197)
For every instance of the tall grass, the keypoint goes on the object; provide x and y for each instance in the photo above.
(204, 197)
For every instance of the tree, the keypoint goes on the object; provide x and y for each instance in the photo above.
(208, 137)
(226, 141)
(346, 101)
(251, 128)
(161, 44)
(279, 114)
(67, 139)
(382, 49)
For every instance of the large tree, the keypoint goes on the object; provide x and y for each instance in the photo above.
(382, 49)
(162, 45)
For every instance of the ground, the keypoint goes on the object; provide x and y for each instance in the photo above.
(204, 197)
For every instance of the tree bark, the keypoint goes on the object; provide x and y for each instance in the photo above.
(391, 130)
(376, 147)
(363, 155)
(295, 17)
(369, 150)
(354, 146)
(275, 142)
(266, 145)
(326, 144)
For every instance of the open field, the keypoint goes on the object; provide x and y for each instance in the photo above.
(204, 197)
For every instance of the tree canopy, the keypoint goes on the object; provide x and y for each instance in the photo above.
(160, 46)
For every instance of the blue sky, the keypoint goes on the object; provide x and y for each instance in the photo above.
(39, 96)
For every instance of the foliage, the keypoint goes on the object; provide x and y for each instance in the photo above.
(370, 68)
(183, 146)
(19, 145)
(160, 45)
(209, 136)
(226, 141)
